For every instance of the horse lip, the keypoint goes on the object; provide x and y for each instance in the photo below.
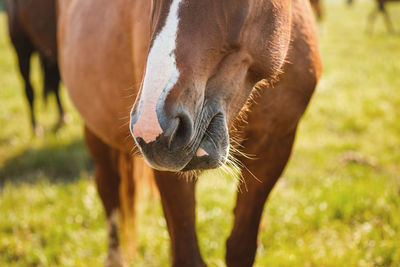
(148, 155)
(211, 146)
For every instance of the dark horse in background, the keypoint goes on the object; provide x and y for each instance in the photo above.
(33, 28)
(381, 8)
(184, 77)
(317, 6)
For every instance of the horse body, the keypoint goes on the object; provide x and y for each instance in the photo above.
(193, 67)
(33, 28)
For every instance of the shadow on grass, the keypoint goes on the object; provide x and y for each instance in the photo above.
(56, 164)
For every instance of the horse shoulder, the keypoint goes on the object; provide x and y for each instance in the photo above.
(96, 66)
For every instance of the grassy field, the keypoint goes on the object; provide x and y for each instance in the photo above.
(337, 204)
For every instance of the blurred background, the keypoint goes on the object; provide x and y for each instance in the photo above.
(337, 204)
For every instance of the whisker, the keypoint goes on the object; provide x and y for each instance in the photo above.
(134, 151)
(125, 117)
(189, 175)
(130, 96)
(124, 125)
(128, 136)
(237, 168)
(132, 86)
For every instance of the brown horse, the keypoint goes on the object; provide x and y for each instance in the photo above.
(381, 8)
(33, 28)
(201, 72)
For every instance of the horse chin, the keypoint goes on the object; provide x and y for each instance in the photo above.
(204, 163)
(212, 159)
(160, 158)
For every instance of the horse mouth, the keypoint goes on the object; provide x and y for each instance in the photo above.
(213, 149)
(208, 149)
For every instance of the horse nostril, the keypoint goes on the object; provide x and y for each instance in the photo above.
(179, 132)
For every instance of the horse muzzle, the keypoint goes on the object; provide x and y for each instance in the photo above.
(186, 141)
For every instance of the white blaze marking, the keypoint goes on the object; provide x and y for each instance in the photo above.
(161, 75)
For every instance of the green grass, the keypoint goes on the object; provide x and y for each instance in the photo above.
(337, 204)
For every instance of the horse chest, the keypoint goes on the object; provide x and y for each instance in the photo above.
(97, 68)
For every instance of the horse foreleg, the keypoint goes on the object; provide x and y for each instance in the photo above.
(388, 21)
(242, 243)
(371, 21)
(52, 84)
(24, 52)
(269, 135)
(24, 49)
(107, 183)
(178, 201)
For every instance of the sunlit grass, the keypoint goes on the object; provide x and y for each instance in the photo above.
(338, 203)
